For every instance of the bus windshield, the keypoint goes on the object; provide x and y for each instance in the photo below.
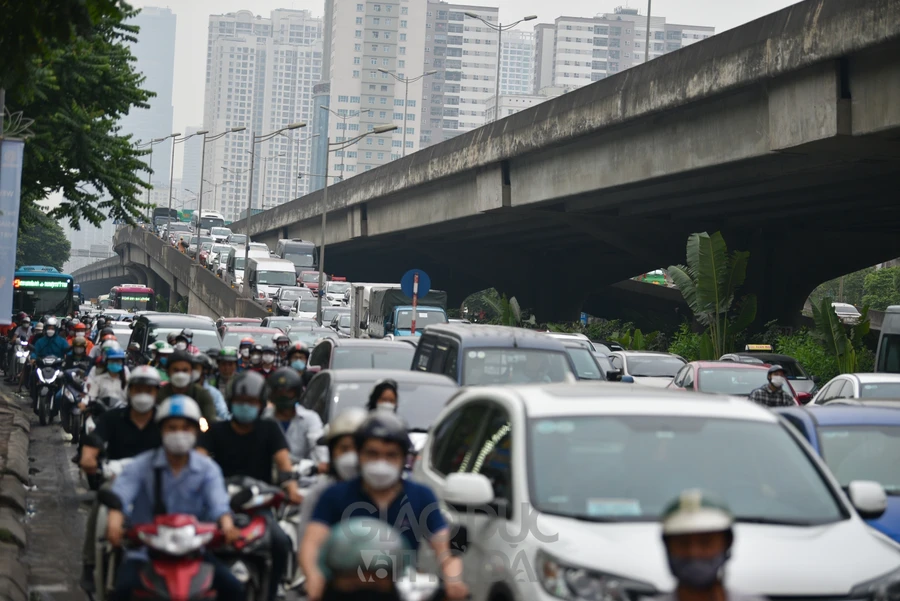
(211, 222)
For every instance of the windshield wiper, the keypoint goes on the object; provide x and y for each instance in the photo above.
(780, 521)
(417, 430)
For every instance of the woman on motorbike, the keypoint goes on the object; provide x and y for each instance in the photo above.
(383, 396)
(78, 357)
(110, 378)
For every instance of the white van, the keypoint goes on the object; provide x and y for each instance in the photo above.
(265, 276)
(207, 220)
(234, 270)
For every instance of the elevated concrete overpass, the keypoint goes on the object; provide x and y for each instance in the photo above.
(145, 259)
(782, 133)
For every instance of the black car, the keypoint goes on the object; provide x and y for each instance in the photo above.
(352, 353)
(152, 327)
(285, 297)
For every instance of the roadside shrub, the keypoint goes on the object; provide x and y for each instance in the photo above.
(686, 343)
(804, 347)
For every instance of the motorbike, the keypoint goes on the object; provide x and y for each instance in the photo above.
(96, 408)
(289, 520)
(70, 395)
(49, 376)
(250, 558)
(21, 359)
(106, 558)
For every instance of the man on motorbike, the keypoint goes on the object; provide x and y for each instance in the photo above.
(298, 357)
(202, 369)
(105, 335)
(282, 345)
(267, 358)
(180, 367)
(182, 481)
(49, 345)
(110, 378)
(123, 433)
(383, 445)
(283, 390)
(227, 366)
(78, 357)
(160, 352)
(248, 446)
(244, 348)
(21, 332)
(184, 341)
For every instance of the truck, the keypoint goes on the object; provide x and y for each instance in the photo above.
(359, 306)
(391, 312)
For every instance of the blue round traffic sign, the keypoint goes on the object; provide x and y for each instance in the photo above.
(408, 279)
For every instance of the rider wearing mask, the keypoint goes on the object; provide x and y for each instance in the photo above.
(180, 369)
(383, 444)
(124, 433)
(773, 394)
(283, 390)
(227, 362)
(105, 335)
(22, 332)
(202, 369)
(267, 358)
(298, 357)
(49, 345)
(160, 352)
(110, 378)
(78, 357)
(188, 483)
(184, 341)
(244, 349)
(282, 345)
(383, 396)
(80, 333)
(697, 534)
(134, 355)
(248, 446)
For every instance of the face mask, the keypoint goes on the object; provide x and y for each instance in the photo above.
(114, 368)
(388, 407)
(283, 403)
(255, 359)
(180, 379)
(78, 350)
(380, 474)
(299, 364)
(179, 443)
(697, 573)
(51, 333)
(268, 359)
(244, 414)
(777, 381)
(79, 334)
(347, 465)
(245, 352)
(181, 346)
(195, 376)
(142, 402)
(163, 361)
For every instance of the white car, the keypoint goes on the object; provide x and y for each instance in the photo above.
(304, 308)
(859, 386)
(847, 313)
(647, 367)
(555, 492)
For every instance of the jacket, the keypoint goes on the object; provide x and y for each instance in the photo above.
(105, 384)
(196, 392)
(47, 346)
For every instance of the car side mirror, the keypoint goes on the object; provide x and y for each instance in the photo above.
(868, 497)
(816, 379)
(627, 380)
(468, 490)
(614, 375)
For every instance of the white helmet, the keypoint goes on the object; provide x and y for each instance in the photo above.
(346, 422)
(179, 405)
(144, 375)
(52, 323)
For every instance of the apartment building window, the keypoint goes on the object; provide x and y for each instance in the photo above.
(359, 8)
(354, 99)
(402, 49)
(383, 100)
(357, 33)
(404, 10)
(410, 130)
(410, 144)
(380, 156)
(387, 35)
(376, 20)
(369, 156)
(356, 60)
(398, 116)
(382, 114)
(359, 20)
(357, 47)
(376, 8)
(381, 141)
(402, 37)
(403, 23)
(398, 143)
(343, 99)
(375, 34)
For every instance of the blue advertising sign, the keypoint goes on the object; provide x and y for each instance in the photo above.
(11, 152)
(406, 282)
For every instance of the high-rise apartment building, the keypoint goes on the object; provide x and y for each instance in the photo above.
(517, 69)
(591, 49)
(260, 74)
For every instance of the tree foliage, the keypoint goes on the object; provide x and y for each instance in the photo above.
(76, 92)
(42, 243)
(835, 337)
(852, 292)
(489, 306)
(709, 283)
(882, 288)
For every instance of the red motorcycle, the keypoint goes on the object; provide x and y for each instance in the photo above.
(176, 570)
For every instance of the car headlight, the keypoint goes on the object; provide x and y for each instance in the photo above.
(883, 588)
(566, 581)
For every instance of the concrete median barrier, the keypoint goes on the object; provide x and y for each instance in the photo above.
(14, 430)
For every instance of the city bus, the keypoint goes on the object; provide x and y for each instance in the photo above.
(39, 290)
(207, 221)
(162, 217)
(132, 297)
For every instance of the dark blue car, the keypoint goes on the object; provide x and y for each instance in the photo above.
(857, 443)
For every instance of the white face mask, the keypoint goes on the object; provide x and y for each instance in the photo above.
(380, 474)
(268, 359)
(777, 381)
(181, 379)
(347, 465)
(245, 352)
(181, 346)
(256, 359)
(142, 402)
(79, 334)
(386, 406)
(51, 333)
(179, 443)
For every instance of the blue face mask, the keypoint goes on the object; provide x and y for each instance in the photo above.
(163, 361)
(114, 368)
(299, 364)
(244, 414)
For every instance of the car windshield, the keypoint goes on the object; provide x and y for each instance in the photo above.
(653, 366)
(263, 337)
(863, 453)
(483, 367)
(337, 287)
(630, 467)
(277, 278)
(585, 366)
(845, 309)
(425, 400)
(395, 356)
(310, 278)
(328, 313)
(423, 318)
(179, 227)
(220, 231)
(237, 239)
(289, 294)
(739, 382)
(307, 259)
(309, 336)
(345, 321)
(603, 360)
(220, 248)
(307, 305)
(880, 390)
(203, 339)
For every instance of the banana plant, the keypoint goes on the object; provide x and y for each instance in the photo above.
(833, 334)
(708, 284)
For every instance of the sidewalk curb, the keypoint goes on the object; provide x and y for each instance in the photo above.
(15, 427)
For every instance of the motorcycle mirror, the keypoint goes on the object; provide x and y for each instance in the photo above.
(240, 499)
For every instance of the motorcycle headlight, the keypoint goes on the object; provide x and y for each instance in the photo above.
(883, 588)
(566, 581)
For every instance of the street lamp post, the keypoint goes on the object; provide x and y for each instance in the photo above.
(647, 49)
(265, 173)
(344, 119)
(499, 28)
(172, 171)
(215, 186)
(206, 139)
(296, 192)
(254, 140)
(406, 81)
(151, 144)
(381, 129)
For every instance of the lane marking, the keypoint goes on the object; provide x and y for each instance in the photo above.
(49, 588)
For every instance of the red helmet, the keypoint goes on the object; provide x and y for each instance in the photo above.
(247, 342)
(80, 327)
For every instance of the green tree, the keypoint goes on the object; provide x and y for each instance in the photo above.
(76, 94)
(852, 288)
(882, 288)
(43, 243)
(496, 308)
(835, 339)
(708, 284)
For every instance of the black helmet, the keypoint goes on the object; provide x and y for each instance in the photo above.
(380, 387)
(247, 383)
(107, 332)
(182, 356)
(281, 338)
(134, 347)
(285, 378)
(384, 426)
(187, 334)
(200, 359)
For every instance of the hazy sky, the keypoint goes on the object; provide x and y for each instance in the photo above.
(193, 19)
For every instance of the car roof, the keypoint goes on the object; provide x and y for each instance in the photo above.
(251, 329)
(645, 353)
(613, 398)
(869, 378)
(728, 365)
(364, 343)
(241, 319)
(263, 262)
(180, 320)
(852, 415)
(408, 376)
(497, 336)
